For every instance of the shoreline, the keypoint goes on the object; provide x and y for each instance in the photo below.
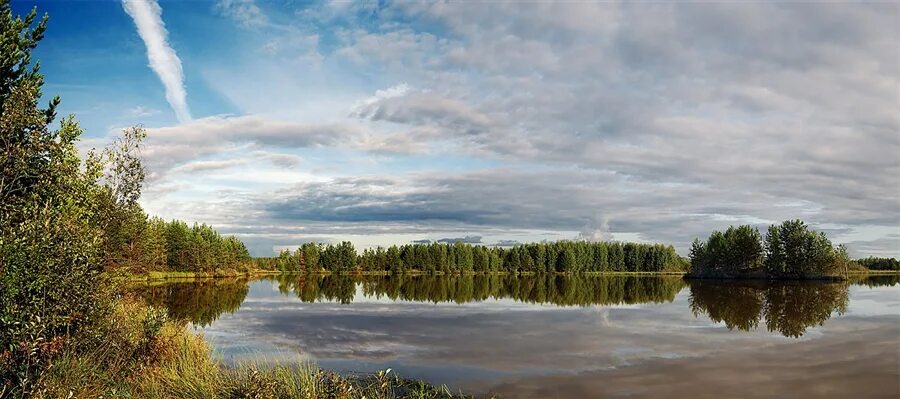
(219, 274)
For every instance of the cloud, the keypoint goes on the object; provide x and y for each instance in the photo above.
(506, 243)
(269, 138)
(142, 111)
(171, 146)
(464, 240)
(279, 159)
(163, 59)
(663, 121)
(886, 247)
(246, 12)
(423, 109)
(202, 166)
(595, 231)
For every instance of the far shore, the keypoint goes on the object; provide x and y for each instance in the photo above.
(175, 276)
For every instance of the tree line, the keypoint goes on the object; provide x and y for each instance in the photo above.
(790, 250)
(435, 258)
(133, 241)
(873, 263)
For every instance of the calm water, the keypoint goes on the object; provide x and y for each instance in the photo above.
(566, 337)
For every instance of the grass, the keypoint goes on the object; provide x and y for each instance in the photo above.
(173, 275)
(136, 352)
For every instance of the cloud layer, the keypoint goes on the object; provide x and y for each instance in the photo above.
(577, 120)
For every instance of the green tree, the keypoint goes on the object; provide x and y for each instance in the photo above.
(49, 247)
(795, 251)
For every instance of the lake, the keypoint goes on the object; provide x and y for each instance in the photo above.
(563, 336)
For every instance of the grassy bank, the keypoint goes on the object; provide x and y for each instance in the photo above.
(219, 273)
(143, 354)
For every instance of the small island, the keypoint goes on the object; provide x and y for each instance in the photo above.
(790, 251)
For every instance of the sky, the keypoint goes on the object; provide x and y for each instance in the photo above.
(495, 122)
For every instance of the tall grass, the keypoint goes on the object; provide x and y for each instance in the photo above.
(142, 354)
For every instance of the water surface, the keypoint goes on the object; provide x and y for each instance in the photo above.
(558, 336)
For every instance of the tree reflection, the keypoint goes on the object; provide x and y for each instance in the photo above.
(563, 290)
(789, 308)
(200, 302)
(877, 281)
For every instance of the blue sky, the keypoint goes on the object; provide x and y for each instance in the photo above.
(383, 122)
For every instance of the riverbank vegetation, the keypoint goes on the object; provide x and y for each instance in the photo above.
(461, 258)
(791, 250)
(139, 352)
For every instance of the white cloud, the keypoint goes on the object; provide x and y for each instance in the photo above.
(245, 12)
(202, 166)
(163, 59)
(142, 111)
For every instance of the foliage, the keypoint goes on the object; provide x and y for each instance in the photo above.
(795, 251)
(873, 263)
(49, 247)
(201, 249)
(791, 250)
(63, 219)
(737, 251)
(460, 258)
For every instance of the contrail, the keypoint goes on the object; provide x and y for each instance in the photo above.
(163, 60)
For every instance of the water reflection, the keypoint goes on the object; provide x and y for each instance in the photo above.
(540, 289)
(557, 336)
(200, 302)
(877, 281)
(787, 307)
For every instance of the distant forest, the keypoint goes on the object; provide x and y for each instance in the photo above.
(558, 257)
(873, 263)
(790, 250)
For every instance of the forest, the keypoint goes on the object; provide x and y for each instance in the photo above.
(873, 263)
(461, 258)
